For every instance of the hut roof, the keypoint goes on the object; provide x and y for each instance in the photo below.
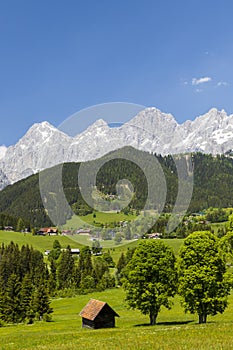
(93, 308)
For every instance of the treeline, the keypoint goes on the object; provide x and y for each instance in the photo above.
(16, 223)
(213, 187)
(23, 285)
(27, 282)
(213, 182)
(78, 275)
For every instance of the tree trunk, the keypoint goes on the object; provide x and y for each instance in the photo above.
(202, 318)
(153, 317)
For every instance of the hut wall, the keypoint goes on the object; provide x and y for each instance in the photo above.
(104, 320)
(87, 323)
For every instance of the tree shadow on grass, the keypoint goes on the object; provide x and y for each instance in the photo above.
(173, 323)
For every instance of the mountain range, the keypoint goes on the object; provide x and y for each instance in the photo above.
(151, 130)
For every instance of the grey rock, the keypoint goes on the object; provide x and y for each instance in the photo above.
(44, 146)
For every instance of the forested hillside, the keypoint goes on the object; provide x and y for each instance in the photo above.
(213, 186)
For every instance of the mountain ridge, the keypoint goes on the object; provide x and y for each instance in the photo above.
(151, 130)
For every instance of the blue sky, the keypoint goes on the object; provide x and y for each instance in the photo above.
(58, 57)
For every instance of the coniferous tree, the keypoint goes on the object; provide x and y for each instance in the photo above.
(24, 261)
(88, 277)
(100, 267)
(65, 269)
(20, 225)
(76, 277)
(26, 298)
(38, 269)
(9, 263)
(121, 263)
(120, 266)
(85, 262)
(11, 306)
(108, 258)
(41, 303)
(21, 271)
(2, 297)
(52, 283)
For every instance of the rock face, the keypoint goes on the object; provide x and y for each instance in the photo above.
(151, 130)
(4, 181)
(41, 147)
(3, 150)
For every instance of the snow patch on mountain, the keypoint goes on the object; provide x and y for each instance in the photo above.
(44, 146)
(41, 147)
(3, 150)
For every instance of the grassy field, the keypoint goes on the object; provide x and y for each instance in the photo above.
(38, 242)
(174, 331)
(100, 217)
(117, 250)
(86, 240)
(76, 241)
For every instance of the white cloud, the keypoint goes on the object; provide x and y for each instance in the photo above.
(196, 81)
(222, 83)
(199, 90)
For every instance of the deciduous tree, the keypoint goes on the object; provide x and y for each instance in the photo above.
(151, 278)
(203, 282)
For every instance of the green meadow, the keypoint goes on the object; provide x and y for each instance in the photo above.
(38, 242)
(76, 241)
(85, 239)
(175, 329)
(100, 218)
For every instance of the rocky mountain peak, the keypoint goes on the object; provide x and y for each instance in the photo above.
(150, 130)
(3, 150)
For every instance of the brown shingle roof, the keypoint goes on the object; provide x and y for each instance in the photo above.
(93, 308)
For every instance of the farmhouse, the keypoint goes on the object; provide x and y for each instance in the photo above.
(83, 231)
(98, 314)
(75, 251)
(67, 233)
(155, 235)
(51, 231)
(8, 228)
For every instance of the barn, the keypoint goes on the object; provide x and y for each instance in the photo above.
(98, 314)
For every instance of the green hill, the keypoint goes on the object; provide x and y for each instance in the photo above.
(213, 186)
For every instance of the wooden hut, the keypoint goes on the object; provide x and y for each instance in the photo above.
(98, 314)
